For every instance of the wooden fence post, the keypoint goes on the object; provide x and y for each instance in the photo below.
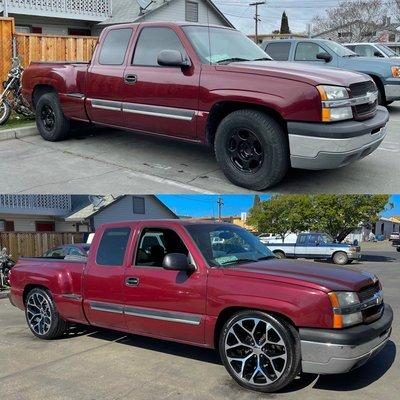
(6, 40)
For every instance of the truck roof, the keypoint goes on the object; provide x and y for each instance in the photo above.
(165, 23)
(183, 222)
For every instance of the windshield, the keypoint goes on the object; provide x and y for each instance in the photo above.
(387, 50)
(215, 45)
(227, 245)
(340, 50)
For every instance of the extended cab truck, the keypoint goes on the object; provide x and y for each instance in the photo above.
(260, 116)
(169, 279)
(384, 71)
(316, 245)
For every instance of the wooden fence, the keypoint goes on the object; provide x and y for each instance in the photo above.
(36, 47)
(34, 244)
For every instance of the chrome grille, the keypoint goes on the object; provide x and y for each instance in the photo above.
(362, 88)
(365, 110)
(374, 312)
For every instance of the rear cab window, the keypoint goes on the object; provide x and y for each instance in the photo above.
(115, 46)
(112, 247)
(279, 51)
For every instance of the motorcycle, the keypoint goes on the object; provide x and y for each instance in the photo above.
(6, 263)
(11, 98)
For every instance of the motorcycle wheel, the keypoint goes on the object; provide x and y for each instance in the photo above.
(5, 112)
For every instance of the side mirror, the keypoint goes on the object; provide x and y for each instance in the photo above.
(172, 58)
(324, 56)
(177, 262)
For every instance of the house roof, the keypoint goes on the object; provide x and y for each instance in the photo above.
(129, 11)
(108, 200)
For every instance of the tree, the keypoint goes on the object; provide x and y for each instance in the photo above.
(256, 201)
(284, 24)
(357, 20)
(337, 215)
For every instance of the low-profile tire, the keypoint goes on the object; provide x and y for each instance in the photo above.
(50, 120)
(260, 351)
(279, 254)
(42, 316)
(252, 149)
(340, 258)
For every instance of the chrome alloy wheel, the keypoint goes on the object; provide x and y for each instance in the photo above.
(255, 351)
(38, 313)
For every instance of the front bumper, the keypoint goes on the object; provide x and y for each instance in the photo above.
(354, 256)
(331, 351)
(325, 146)
(392, 90)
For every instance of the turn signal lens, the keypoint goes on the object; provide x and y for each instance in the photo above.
(396, 72)
(341, 317)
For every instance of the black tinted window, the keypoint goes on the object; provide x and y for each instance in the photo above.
(112, 246)
(153, 40)
(114, 46)
(278, 51)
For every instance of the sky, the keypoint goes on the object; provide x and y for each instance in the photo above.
(299, 13)
(234, 205)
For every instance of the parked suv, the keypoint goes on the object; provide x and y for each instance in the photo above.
(384, 71)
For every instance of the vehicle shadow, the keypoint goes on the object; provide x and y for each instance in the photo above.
(364, 376)
(372, 371)
(377, 258)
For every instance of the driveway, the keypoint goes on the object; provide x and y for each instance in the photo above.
(101, 364)
(124, 162)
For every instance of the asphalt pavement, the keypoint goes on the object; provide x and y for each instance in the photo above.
(106, 160)
(97, 364)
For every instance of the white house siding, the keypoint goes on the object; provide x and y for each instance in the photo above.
(386, 227)
(175, 11)
(26, 223)
(50, 26)
(122, 210)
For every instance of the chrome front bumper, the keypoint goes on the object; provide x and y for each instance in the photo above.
(325, 357)
(392, 91)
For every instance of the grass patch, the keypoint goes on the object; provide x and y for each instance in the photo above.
(17, 121)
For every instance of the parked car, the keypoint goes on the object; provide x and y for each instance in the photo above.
(68, 250)
(268, 238)
(384, 72)
(316, 245)
(260, 116)
(372, 50)
(394, 235)
(396, 244)
(269, 319)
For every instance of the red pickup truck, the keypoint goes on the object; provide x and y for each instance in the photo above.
(211, 285)
(214, 86)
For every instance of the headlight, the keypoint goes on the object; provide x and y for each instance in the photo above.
(353, 249)
(345, 310)
(335, 104)
(396, 72)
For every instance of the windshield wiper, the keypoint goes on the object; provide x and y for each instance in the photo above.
(263, 59)
(229, 60)
(351, 55)
(235, 262)
(266, 258)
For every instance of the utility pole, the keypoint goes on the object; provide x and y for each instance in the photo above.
(5, 10)
(256, 17)
(220, 203)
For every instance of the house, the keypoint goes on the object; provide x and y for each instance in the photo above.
(121, 208)
(75, 213)
(89, 17)
(276, 36)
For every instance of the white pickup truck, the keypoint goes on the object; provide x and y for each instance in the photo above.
(315, 245)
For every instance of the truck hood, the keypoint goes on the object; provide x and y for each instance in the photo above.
(315, 275)
(313, 75)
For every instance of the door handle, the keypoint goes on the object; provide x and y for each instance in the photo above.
(130, 79)
(132, 281)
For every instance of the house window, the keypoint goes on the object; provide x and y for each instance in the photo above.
(36, 29)
(138, 205)
(45, 226)
(191, 11)
(6, 226)
(79, 32)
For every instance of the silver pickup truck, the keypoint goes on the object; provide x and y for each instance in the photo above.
(316, 245)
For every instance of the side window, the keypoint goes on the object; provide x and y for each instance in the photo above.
(302, 240)
(351, 47)
(365, 50)
(312, 239)
(151, 42)
(278, 51)
(114, 47)
(307, 51)
(155, 243)
(112, 246)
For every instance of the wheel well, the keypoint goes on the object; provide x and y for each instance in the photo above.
(230, 311)
(278, 251)
(39, 90)
(338, 251)
(220, 110)
(379, 84)
(28, 288)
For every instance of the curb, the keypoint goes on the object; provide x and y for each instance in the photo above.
(4, 295)
(17, 133)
